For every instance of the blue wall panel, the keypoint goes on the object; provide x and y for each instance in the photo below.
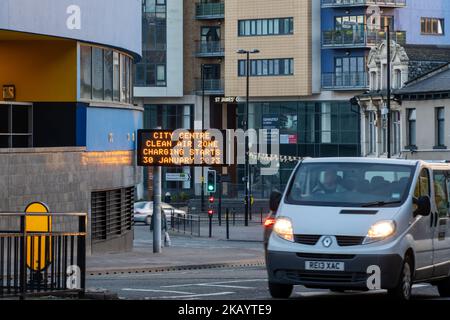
(120, 122)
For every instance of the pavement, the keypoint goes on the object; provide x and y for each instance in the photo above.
(186, 252)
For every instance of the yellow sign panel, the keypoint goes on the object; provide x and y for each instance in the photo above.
(38, 247)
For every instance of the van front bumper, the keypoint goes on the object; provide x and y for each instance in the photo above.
(289, 268)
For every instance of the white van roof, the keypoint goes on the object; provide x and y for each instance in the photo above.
(363, 160)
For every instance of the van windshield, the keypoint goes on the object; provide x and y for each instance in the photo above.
(350, 184)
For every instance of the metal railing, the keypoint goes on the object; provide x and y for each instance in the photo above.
(346, 3)
(42, 263)
(212, 86)
(358, 38)
(210, 49)
(185, 223)
(211, 10)
(347, 80)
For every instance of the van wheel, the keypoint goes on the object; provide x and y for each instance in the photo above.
(403, 289)
(444, 287)
(148, 220)
(280, 291)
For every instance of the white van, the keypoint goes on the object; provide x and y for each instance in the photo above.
(360, 224)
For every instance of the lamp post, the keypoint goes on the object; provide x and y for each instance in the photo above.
(204, 66)
(388, 83)
(246, 127)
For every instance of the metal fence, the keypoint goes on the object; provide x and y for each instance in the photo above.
(42, 262)
(185, 223)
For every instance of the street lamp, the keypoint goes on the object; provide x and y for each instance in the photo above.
(204, 66)
(246, 127)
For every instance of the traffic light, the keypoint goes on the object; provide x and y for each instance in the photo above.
(211, 181)
(211, 199)
(210, 212)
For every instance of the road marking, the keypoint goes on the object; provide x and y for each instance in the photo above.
(197, 295)
(211, 283)
(225, 286)
(152, 290)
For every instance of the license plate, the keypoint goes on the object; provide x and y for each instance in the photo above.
(325, 265)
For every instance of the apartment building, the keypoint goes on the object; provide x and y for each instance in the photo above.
(311, 60)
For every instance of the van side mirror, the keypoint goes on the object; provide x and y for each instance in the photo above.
(423, 206)
(274, 201)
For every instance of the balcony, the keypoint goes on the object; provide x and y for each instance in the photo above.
(210, 11)
(358, 3)
(345, 81)
(210, 49)
(336, 39)
(212, 86)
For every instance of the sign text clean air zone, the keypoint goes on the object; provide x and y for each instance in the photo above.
(180, 148)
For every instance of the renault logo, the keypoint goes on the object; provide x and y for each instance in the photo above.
(327, 242)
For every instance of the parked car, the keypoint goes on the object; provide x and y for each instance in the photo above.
(143, 211)
(343, 223)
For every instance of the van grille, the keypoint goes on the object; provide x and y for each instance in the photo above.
(346, 241)
(343, 241)
(326, 256)
(307, 239)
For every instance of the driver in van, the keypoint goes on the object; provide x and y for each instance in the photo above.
(330, 183)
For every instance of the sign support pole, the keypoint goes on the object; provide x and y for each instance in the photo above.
(157, 210)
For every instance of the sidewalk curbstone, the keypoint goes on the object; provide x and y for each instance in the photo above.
(138, 270)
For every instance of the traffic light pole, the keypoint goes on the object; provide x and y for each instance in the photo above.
(246, 142)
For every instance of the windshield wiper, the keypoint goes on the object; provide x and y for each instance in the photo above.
(379, 203)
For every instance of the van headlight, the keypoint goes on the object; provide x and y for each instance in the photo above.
(283, 228)
(380, 231)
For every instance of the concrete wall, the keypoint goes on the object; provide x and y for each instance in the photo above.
(64, 178)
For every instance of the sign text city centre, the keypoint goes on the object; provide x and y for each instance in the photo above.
(168, 148)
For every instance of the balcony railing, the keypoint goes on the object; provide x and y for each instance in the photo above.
(212, 86)
(345, 81)
(355, 3)
(212, 10)
(210, 49)
(349, 38)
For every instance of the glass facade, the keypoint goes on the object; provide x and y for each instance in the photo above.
(307, 129)
(152, 70)
(105, 75)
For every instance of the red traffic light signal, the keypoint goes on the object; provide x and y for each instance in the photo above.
(211, 199)
(210, 212)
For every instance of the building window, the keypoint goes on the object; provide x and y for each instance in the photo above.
(108, 74)
(97, 73)
(266, 27)
(432, 26)
(105, 75)
(395, 115)
(342, 22)
(85, 72)
(398, 79)
(440, 127)
(151, 71)
(350, 71)
(372, 132)
(111, 213)
(267, 67)
(16, 126)
(411, 127)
